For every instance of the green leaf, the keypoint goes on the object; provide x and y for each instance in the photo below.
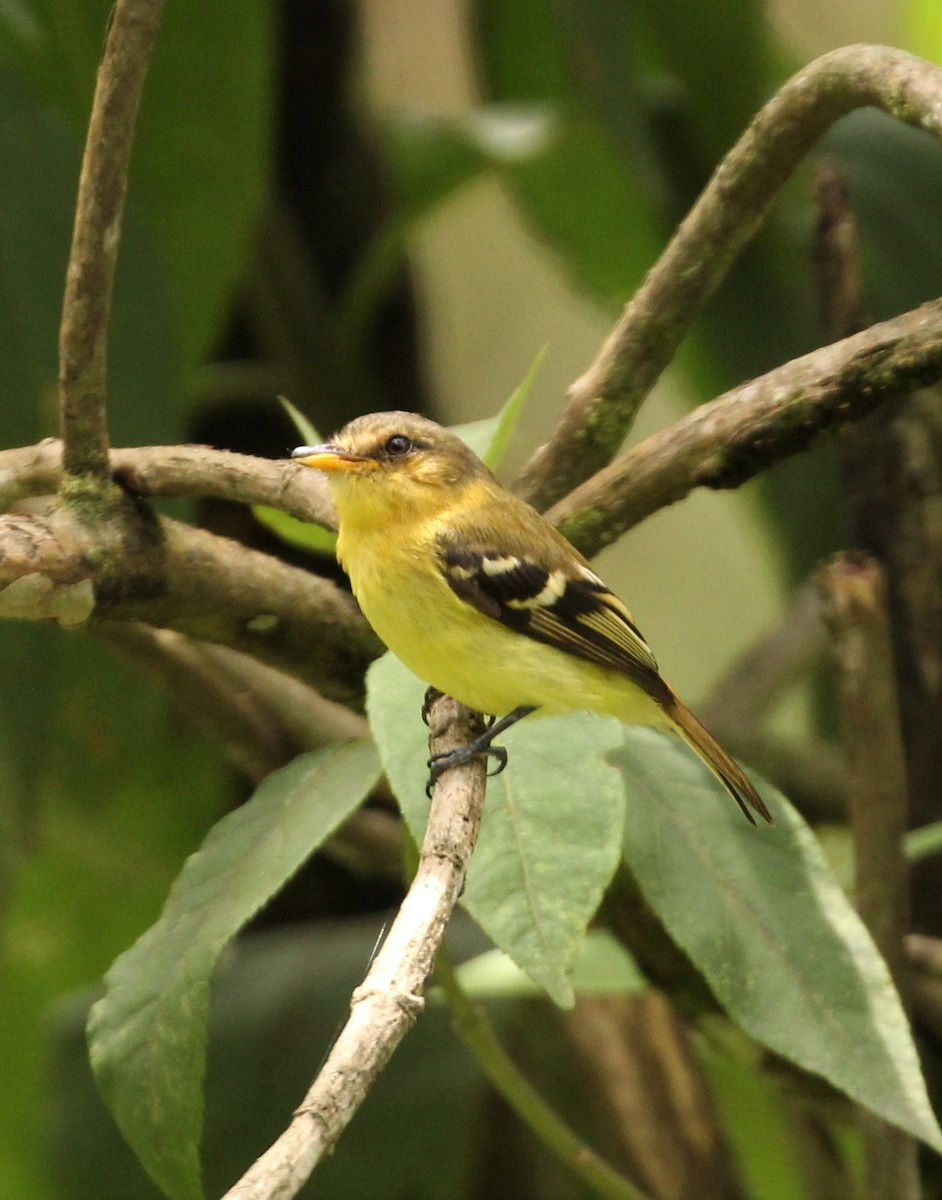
(760, 915)
(603, 968)
(548, 843)
(303, 534)
(41, 157)
(923, 842)
(430, 155)
(583, 196)
(201, 150)
(306, 430)
(148, 1033)
(488, 438)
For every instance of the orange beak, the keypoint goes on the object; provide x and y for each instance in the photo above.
(330, 458)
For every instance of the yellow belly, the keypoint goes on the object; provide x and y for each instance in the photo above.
(476, 659)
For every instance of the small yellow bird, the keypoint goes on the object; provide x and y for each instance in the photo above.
(482, 598)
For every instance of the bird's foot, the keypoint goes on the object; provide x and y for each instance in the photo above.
(481, 745)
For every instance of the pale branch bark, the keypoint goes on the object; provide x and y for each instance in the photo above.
(728, 441)
(86, 308)
(387, 1003)
(55, 566)
(179, 471)
(854, 594)
(602, 404)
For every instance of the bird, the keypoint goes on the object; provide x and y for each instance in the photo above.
(483, 599)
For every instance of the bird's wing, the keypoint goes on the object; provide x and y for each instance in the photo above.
(560, 603)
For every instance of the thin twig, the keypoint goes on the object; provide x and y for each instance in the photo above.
(83, 336)
(390, 998)
(603, 403)
(854, 591)
(476, 1031)
(733, 438)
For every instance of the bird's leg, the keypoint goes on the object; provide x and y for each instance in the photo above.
(481, 745)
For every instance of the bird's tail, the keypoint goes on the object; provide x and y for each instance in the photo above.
(730, 775)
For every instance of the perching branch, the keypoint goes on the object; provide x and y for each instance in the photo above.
(178, 471)
(730, 440)
(83, 335)
(390, 998)
(144, 568)
(604, 401)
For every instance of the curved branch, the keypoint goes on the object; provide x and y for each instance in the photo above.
(179, 471)
(728, 441)
(388, 1001)
(57, 567)
(90, 276)
(603, 402)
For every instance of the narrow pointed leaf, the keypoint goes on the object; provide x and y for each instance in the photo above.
(488, 438)
(148, 1033)
(759, 913)
(549, 839)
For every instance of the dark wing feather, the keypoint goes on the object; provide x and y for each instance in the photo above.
(565, 606)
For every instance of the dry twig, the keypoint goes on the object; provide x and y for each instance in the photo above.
(388, 1001)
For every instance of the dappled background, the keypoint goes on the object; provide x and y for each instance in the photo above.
(362, 207)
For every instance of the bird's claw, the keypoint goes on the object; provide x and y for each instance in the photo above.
(439, 763)
(431, 695)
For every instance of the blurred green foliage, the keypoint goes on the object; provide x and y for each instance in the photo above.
(603, 119)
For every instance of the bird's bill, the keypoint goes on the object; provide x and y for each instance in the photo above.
(330, 458)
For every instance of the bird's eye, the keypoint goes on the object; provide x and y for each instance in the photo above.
(398, 445)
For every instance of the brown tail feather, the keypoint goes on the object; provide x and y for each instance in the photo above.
(700, 740)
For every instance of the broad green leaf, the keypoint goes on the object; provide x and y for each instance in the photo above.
(547, 848)
(488, 438)
(148, 1033)
(117, 794)
(760, 915)
(41, 157)
(201, 151)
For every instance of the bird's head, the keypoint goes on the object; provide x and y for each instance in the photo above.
(392, 462)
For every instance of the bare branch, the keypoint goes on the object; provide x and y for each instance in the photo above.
(388, 1001)
(604, 401)
(728, 441)
(90, 276)
(150, 569)
(179, 471)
